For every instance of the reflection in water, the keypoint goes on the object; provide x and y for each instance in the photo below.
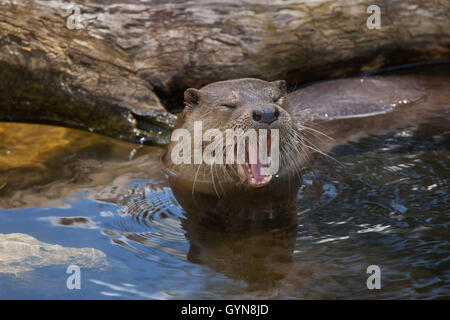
(43, 165)
(387, 204)
(246, 236)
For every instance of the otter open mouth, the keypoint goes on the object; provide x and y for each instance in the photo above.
(257, 174)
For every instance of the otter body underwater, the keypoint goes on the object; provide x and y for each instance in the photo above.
(309, 121)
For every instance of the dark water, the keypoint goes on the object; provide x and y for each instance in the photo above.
(385, 203)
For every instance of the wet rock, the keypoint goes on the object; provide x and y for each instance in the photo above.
(21, 253)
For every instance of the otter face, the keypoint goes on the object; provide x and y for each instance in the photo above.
(241, 104)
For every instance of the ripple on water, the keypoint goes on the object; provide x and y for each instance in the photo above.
(387, 205)
(391, 208)
(148, 216)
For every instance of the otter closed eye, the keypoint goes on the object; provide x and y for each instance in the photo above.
(229, 105)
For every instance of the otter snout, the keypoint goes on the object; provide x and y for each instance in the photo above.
(266, 115)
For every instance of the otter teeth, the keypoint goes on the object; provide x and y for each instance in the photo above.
(264, 181)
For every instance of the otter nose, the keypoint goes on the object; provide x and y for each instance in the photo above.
(266, 115)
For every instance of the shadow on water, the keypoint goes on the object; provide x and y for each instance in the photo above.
(386, 204)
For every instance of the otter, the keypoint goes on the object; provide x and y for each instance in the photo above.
(238, 104)
(310, 120)
(247, 229)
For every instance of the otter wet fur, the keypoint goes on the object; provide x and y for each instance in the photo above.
(240, 104)
(309, 121)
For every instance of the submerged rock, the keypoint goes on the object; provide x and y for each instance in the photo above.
(40, 165)
(21, 253)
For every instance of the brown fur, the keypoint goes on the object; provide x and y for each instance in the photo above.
(229, 105)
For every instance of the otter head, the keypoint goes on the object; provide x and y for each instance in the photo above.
(237, 105)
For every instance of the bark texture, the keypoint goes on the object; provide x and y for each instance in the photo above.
(117, 66)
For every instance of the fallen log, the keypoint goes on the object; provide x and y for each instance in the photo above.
(117, 67)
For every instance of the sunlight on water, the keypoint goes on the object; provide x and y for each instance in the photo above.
(388, 205)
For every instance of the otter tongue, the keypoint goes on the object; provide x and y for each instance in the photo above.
(256, 171)
(256, 177)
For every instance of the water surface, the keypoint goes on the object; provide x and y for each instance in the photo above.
(384, 201)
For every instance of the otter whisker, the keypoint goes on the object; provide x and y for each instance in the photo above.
(219, 180)
(290, 154)
(195, 178)
(303, 127)
(298, 136)
(316, 149)
(214, 184)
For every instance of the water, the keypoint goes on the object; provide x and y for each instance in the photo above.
(386, 204)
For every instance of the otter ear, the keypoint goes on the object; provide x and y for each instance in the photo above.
(281, 84)
(192, 97)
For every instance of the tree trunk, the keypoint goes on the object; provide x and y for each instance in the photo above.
(116, 67)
